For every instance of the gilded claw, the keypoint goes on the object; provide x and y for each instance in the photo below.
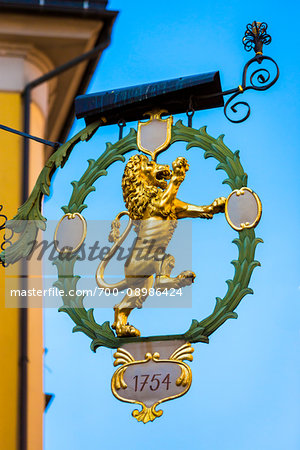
(186, 278)
(126, 330)
(218, 205)
(206, 216)
(180, 166)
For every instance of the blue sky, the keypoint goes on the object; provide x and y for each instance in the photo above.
(245, 391)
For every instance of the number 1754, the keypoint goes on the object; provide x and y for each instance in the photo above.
(153, 383)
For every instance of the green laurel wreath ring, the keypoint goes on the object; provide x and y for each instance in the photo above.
(102, 335)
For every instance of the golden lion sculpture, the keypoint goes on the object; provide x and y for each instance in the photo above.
(154, 210)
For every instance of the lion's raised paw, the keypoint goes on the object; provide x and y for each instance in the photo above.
(180, 166)
(186, 278)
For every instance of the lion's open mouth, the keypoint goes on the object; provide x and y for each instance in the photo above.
(161, 177)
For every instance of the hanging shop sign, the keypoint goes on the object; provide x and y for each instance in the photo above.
(150, 370)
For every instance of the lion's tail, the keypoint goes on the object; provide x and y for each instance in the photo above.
(118, 240)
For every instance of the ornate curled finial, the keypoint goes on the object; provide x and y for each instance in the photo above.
(254, 77)
(256, 36)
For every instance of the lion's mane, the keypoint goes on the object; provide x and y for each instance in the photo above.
(136, 193)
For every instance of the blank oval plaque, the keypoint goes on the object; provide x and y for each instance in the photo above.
(243, 209)
(70, 233)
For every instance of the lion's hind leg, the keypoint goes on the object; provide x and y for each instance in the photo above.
(134, 298)
(121, 325)
(164, 280)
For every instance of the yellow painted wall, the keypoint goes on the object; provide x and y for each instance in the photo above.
(10, 198)
(10, 195)
(35, 397)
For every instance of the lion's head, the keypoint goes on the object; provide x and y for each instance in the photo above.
(141, 181)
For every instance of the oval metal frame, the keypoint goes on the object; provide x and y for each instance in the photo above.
(259, 209)
(67, 249)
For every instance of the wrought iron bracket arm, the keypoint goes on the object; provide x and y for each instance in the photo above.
(55, 145)
(259, 80)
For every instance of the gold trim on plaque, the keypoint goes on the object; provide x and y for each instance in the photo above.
(239, 192)
(123, 357)
(155, 115)
(71, 216)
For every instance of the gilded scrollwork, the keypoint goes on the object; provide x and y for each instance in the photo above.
(146, 414)
(183, 353)
(126, 360)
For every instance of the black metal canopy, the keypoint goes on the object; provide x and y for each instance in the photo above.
(55, 6)
(196, 92)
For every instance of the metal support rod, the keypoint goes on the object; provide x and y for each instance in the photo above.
(55, 145)
(121, 125)
(23, 342)
(30, 136)
(66, 66)
(23, 318)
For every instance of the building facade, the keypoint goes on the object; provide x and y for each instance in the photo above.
(38, 84)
